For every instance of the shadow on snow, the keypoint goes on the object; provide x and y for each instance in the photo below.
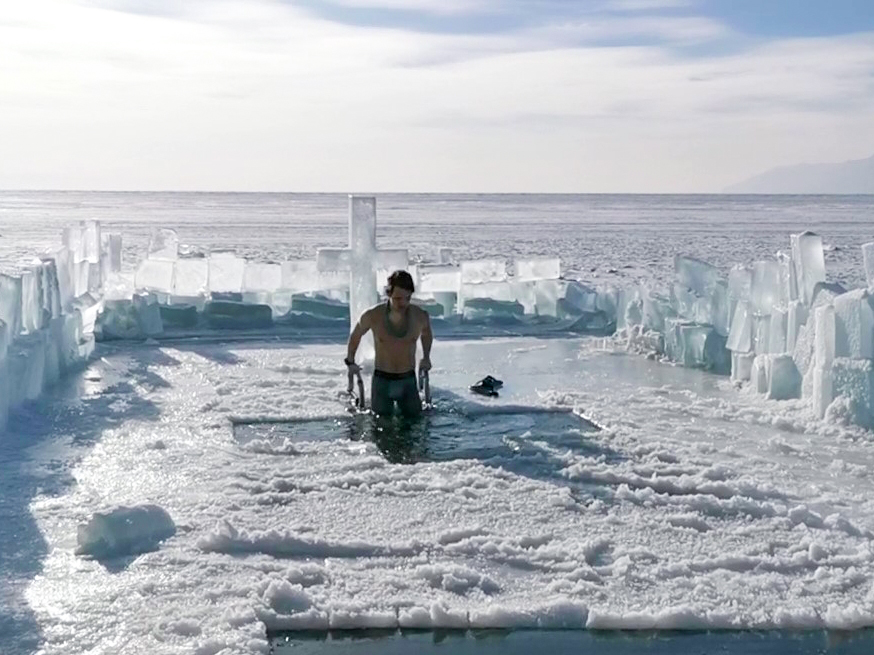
(43, 442)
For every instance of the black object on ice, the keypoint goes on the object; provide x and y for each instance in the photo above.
(494, 383)
(488, 386)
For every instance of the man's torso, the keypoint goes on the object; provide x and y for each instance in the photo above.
(394, 338)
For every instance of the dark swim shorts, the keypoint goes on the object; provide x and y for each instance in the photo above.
(388, 388)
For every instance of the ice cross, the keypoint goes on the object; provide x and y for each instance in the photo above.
(362, 259)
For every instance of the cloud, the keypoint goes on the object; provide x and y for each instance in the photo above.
(648, 5)
(680, 31)
(439, 7)
(267, 95)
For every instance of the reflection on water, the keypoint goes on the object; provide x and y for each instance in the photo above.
(400, 440)
(441, 435)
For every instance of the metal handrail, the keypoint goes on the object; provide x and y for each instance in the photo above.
(350, 386)
(425, 386)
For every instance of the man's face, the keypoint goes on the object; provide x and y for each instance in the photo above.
(400, 299)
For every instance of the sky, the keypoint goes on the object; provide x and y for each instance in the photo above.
(429, 95)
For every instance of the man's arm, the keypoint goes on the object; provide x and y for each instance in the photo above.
(427, 340)
(360, 330)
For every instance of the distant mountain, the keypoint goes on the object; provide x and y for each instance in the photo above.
(855, 176)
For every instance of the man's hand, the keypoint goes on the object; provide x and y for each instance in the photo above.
(353, 368)
(425, 364)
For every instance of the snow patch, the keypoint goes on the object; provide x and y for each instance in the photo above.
(124, 531)
(225, 538)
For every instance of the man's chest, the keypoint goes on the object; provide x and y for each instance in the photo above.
(397, 334)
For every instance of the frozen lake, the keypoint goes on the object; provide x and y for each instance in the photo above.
(600, 238)
(695, 507)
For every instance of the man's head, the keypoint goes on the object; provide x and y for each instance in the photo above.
(400, 289)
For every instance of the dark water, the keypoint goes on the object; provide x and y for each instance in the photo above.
(440, 435)
(487, 642)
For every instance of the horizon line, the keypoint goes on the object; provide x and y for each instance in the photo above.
(436, 193)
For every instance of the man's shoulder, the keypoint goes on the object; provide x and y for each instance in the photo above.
(376, 308)
(419, 312)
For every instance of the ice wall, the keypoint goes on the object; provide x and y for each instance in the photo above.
(687, 323)
(794, 335)
(470, 289)
(224, 290)
(758, 323)
(776, 325)
(48, 311)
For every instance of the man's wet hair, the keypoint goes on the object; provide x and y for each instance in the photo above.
(402, 280)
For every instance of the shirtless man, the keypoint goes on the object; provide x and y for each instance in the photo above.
(396, 325)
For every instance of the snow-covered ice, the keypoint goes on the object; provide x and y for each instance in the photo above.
(695, 507)
(137, 518)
